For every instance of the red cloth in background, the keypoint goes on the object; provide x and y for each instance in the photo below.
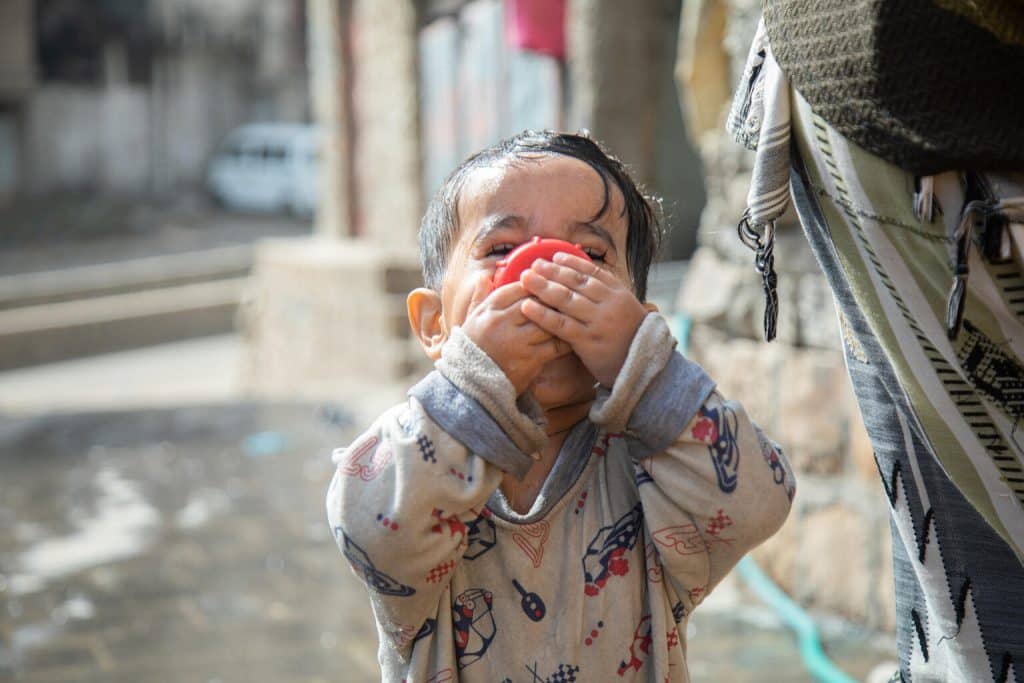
(537, 25)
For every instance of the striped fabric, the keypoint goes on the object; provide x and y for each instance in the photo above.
(944, 408)
(759, 119)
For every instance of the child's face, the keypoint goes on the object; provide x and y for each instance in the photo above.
(502, 207)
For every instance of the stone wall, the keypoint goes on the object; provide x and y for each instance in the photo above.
(834, 551)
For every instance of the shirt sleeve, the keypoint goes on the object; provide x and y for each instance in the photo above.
(711, 484)
(409, 491)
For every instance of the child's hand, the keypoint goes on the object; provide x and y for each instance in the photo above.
(588, 307)
(519, 347)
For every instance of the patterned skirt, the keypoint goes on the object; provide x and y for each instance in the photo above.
(928, 280)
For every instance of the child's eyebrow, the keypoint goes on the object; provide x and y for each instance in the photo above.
(493, 224)
(596, 230)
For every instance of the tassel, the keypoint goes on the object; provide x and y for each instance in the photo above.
(973, 212)
(955, 307)
(763, 246)
(991, 221)
(764, 262)
(924, 198)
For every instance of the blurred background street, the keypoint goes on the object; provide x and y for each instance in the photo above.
(208, 216)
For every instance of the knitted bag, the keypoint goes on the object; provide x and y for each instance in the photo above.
(929, 85)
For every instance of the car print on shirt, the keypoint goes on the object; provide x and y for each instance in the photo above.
(473, 622)
(717, 428)
(365, 569)
(606, 555)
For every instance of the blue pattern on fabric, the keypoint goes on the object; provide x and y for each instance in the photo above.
(605, 556)
(364, 567)
(481, 536)
(725, 453)
(474, 625)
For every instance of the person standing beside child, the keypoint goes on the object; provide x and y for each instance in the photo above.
(558, 495)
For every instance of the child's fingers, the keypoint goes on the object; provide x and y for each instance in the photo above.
(589, 268)
(559, 324)
(562, 347)
(558, 296)
(578, 281)
(508, 295)
(550, 349)
(530, 333)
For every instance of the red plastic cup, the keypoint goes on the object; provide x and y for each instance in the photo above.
(523, 256)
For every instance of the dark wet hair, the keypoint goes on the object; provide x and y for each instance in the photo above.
(440, 225)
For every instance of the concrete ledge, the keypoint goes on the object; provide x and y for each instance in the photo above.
(123, 277)
(52, 332)
(322, 314)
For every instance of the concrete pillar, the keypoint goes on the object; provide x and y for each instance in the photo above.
(325, 316)
(362, 57)
(386, 115)
(328, 88)
(17, 48)
(621, 57)
(613, 58)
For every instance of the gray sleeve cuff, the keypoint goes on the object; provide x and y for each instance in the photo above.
(657, 392)
(466, 421)
(670, 403)
(648, 353)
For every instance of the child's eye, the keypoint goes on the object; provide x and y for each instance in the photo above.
(501, 249)
(595, 254)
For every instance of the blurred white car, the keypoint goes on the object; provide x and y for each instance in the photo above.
(268, 167)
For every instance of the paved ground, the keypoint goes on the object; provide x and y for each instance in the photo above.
(181, 545)
(204, 370)
(188, 542)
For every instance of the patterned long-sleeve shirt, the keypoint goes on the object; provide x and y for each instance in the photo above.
(651, 501)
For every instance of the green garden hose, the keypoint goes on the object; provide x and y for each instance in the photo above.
(813, 656)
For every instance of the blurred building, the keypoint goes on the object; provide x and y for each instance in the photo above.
(482, 70)
(132, 97)
(17, 77)
(405, 90)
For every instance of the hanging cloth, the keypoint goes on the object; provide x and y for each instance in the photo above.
(760, 120)
(536, 25)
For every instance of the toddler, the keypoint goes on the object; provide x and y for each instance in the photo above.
(557, 496)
